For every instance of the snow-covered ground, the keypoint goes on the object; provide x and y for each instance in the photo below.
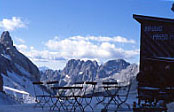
(12, 106)
(21, 108)
(20, 86)
(31, 108)
(8, 105)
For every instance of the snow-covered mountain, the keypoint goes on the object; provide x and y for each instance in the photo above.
(79, 70)
(16, 70)
(14, 61)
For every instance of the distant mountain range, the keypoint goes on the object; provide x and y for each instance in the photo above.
(79, 70)
(17, 72)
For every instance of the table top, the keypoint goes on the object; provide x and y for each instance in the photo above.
(67, 87)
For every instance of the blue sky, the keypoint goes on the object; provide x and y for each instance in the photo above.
(50, 32)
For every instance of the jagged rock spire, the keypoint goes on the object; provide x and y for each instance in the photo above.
(16, 58)
(6, 39)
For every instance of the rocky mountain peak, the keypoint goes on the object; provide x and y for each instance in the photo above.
(73, 63)
(6, 39)
(14, 61)
(117, 63)
(111, 67)
(79, 64)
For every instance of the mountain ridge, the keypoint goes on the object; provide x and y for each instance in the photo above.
(80, 70)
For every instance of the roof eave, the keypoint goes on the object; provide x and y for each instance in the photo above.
(142, 18)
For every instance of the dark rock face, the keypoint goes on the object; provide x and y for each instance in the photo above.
(11, 59)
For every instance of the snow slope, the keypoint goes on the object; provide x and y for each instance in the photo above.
(19, 86)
